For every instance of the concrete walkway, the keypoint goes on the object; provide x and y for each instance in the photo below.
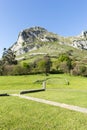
(70, 107)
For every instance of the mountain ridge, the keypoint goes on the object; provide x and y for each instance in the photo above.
(35, 37)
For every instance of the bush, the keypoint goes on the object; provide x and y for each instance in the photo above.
(19, 70)
(65, 63)
(79, 69)
(42, 65)
(64, 67)
(8, 70)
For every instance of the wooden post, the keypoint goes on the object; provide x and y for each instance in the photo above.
(44, 85)
(67, 82)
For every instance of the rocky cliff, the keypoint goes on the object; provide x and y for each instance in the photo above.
(30, 39)
(80, 41)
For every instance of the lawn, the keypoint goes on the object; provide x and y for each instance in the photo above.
(18, 83)
(58, 81)
(58, 90)
(22, 114)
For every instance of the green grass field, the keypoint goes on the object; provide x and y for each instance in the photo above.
(22, 114)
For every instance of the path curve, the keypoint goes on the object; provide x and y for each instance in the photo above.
(63, 105)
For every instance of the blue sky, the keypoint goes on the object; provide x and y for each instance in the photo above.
(64, 17)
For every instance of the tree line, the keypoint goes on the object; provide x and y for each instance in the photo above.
(64, 63)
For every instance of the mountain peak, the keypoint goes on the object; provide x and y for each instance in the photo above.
(32, 34)
(32, 39)
(28, 37)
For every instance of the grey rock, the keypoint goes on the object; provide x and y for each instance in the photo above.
(28, 40)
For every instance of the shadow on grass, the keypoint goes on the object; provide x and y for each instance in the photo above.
(4, 94)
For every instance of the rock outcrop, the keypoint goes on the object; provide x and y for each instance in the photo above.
(30, 39)
(80, 42)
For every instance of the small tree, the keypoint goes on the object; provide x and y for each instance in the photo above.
(45, 64)
(48, 64)
(65, 61)
(27, 67)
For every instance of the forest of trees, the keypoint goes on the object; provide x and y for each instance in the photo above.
(63, 64)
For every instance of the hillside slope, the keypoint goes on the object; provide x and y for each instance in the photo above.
(28, 39)
(38, 41)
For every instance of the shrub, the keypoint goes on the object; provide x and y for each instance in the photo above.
(44, 64)
(79, 69)
(65, 63)
(19, 70)
(8, 69)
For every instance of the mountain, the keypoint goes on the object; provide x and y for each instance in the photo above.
(39, 39)
(28, 39)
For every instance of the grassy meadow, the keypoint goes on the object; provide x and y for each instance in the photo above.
(22, 114)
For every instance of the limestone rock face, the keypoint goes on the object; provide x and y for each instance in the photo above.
(81, 41)
(28, 38)
(80, 44)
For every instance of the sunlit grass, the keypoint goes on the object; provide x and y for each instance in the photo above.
(57, 87)
(22, 114)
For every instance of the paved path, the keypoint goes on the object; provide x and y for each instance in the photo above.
(70, 107)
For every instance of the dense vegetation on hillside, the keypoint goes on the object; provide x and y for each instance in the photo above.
(68, 61)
